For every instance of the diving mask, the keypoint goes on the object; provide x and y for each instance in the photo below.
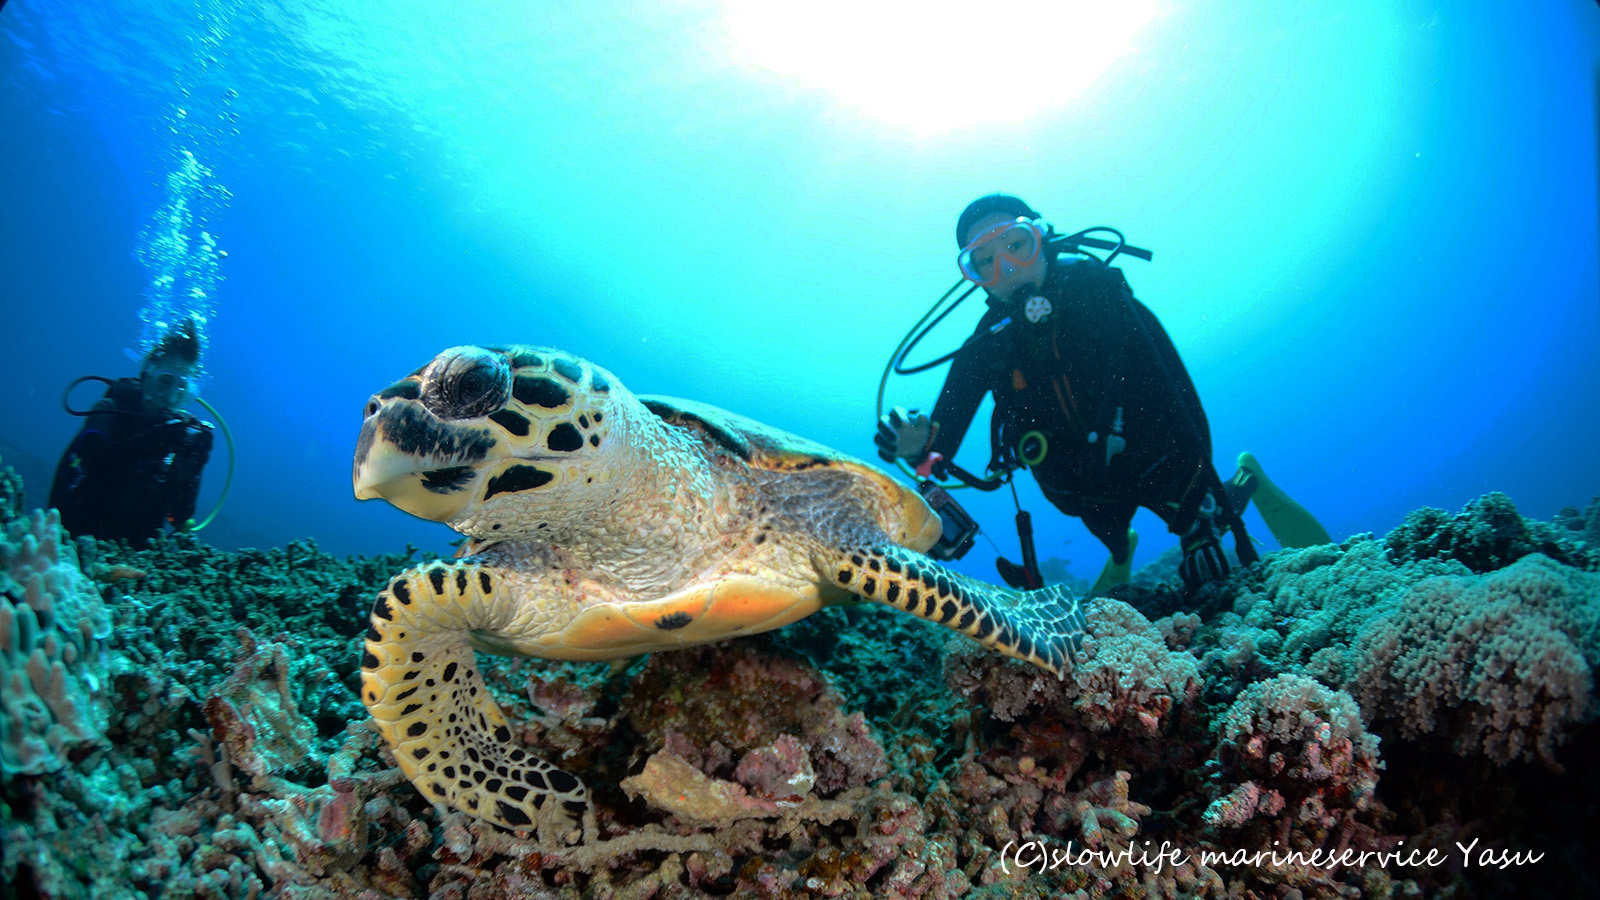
(165, 388)
(1018, 243)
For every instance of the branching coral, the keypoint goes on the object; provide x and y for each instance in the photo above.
(1130, 682)
(1291, 745)
(1293, 769)
(1115, 707)
(1302, 602)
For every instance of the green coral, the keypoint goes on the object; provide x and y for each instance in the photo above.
(1487, 535)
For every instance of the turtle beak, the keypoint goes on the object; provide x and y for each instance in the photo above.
(378, 463)
(410, 459)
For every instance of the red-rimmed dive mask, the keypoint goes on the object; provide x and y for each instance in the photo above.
(1017, 243)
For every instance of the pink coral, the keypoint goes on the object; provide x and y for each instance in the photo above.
(1293, 752)
(253, 713)
(1498, 664)
(779, 771)
(1104, 813)
(1130, 682)
(729, 700)
(1234, 809)
(673, 785)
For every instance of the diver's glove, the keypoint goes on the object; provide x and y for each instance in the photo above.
(1203, 558)
(1202, 562)
(904, 435)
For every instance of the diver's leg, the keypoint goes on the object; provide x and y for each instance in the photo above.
(1109, 523)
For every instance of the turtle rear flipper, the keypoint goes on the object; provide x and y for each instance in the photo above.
(421, 683)
(1045, 627)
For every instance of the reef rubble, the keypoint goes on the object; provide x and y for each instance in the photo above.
(1340, 721)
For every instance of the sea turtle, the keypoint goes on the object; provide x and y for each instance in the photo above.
(603, 526)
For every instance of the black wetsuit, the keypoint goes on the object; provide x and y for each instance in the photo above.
(1066, 378)
(126, 474)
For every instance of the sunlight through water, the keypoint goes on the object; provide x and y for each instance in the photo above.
(933, 68)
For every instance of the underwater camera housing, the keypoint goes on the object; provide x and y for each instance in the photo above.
(960, 529)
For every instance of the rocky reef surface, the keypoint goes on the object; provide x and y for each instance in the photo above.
(1408, 715)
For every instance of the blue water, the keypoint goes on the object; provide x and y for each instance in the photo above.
(1375, 223)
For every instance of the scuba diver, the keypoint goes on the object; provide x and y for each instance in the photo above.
(135, 465)
(1090, 396)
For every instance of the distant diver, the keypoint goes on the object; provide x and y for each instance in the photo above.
(1090, 396)
(134, 468)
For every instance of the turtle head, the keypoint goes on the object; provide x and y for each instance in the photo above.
(475, 434)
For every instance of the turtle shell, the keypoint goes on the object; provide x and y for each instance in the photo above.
(761, 446)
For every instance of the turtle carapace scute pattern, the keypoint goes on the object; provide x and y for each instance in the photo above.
(605, 525)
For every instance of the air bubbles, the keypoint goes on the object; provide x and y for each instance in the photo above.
(180, 253)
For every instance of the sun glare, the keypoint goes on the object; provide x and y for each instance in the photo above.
(934, 67)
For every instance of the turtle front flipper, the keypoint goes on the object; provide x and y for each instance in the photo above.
(1045, 627)
(420, 680)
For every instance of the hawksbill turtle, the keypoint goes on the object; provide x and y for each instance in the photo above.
(604, 525)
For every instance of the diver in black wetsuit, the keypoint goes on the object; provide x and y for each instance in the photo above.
(135, 465)
(1089, 394)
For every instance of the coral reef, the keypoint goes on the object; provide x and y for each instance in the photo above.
(11, 494)
(55, 671)
(1312, 728)
(1500, 664)
(1130, 683)
(1294, 759)
(1584, 526)
(1485, 536)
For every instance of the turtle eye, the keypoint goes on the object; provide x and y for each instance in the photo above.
(471, 387)
(466, 384)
